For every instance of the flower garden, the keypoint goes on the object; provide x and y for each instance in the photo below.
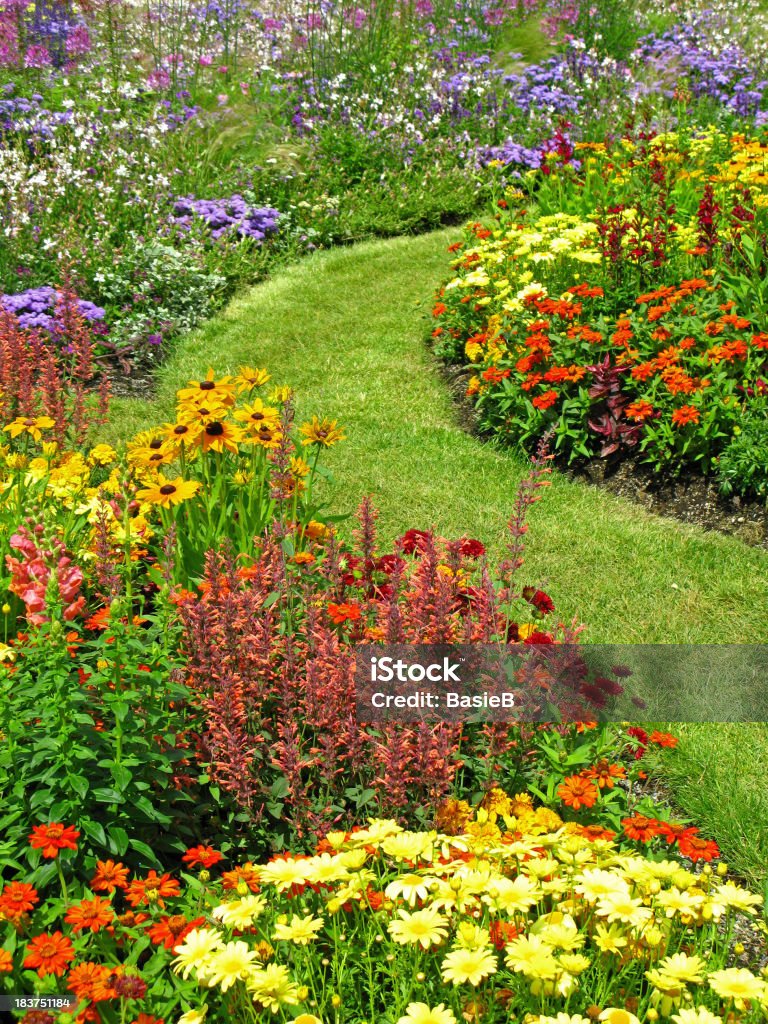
(240, 249)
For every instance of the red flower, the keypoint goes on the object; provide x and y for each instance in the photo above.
(203, 856)
(414, 540)
(493, 375)
(502, 932)
(89, 980)
(695, 848)
(472, 548)
(49, 954)
(438, 309)
(52, 838)
(641, 828)
(541, 602)
(341, 613)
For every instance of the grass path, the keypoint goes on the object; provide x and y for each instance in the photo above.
(345, 329)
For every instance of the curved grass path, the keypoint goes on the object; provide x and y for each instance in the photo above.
(345, 329)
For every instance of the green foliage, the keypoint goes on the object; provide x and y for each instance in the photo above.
(743, 465)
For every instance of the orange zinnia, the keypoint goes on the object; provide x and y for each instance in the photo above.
(6, 961)
(17, 898)
(684, 415)
(695, 848)
(89, 980)
(152, 889)
(577, 792)
(545, 401)
(109, 876)
(53, 837)
(341, 613)
(663, 739)
(640, 410)
(641, 828)
(92, 914)
(604, 773)
(49, 954)
(246, 874)
(171, 931)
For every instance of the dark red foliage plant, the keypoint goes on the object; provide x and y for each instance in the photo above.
(270, 652)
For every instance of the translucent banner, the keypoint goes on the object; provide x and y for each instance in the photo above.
(562, 683)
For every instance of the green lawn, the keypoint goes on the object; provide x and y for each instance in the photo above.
(717, 774)
(346, 329)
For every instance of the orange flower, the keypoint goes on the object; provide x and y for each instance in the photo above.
(546, 400)
(640, 828)
(604, 773)
(49, 954)
(152, 889)
(502, 932)
(171, 931)
(204, 856)
(52, 838)
(684, 415)
(16, 899)
(663, 739)
(639, 411)
(109, 876)
(89, 980)
(6, 962)
(577, 792)
(94, 914)
(341, 613)
(246, 874)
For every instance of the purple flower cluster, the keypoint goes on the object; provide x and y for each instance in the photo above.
(683, 54)
(36, 308)
(228, 215)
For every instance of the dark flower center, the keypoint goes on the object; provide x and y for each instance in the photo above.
(214, 429)
(207, 385)
(168, 489)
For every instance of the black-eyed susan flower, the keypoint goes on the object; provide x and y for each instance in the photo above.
(32, 425)
(169, 492)
(256, 415)
(194, 412)
(249, 377)
(325, 433)
(209, 389)
(220, 436)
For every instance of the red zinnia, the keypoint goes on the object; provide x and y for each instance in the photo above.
(53, 837)
(641, 828)
(202, 856)
(695, 848)
(49, 954)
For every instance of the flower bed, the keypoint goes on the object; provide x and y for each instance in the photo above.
(564, 339)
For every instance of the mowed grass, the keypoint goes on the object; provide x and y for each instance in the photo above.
(346, 329)
(717, 774)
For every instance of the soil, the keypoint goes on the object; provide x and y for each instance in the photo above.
(135, 384)
(694, 500)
